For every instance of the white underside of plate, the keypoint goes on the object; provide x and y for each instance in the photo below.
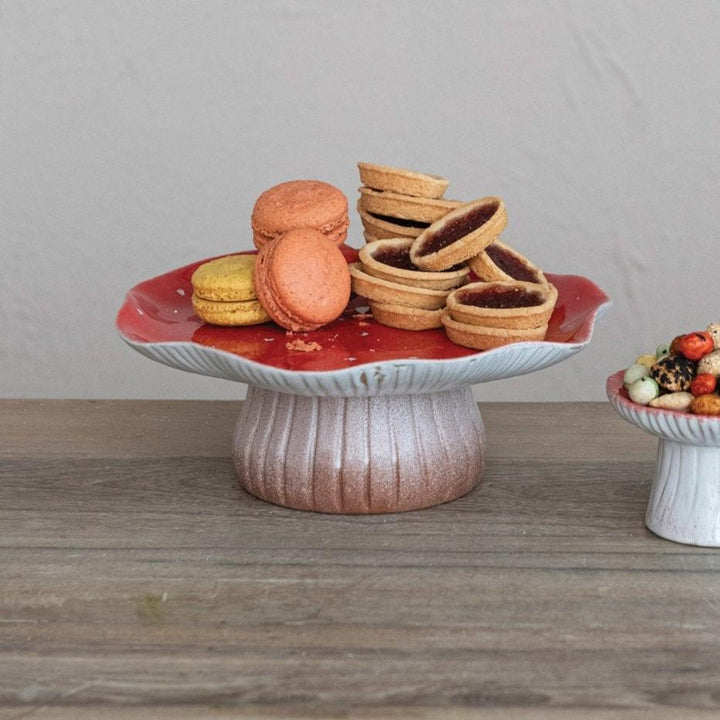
(392, 377)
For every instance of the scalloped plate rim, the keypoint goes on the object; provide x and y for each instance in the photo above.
(681, 427)
(397, 363)
(614, 394)
(482, 366)
(273, 375)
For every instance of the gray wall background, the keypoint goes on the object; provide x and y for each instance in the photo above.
(135, 136)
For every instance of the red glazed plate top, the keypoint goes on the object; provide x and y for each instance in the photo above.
(159, 310)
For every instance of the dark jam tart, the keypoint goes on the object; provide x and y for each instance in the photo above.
(389, 259)
(460, 235)
(458, 228)
(501, 262)
(512, 264)
(500, 298)
(503, 304)
(397, 257)
(400, 258)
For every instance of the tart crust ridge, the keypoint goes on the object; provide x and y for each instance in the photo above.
(467, 245)
(445, 280)
(511, 318)
(487, 269)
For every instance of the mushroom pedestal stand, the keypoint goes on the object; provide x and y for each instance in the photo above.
(684, 504)
(383, 453)
(354, 417)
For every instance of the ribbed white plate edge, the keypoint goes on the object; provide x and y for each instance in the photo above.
(682, 427)
(391, 377)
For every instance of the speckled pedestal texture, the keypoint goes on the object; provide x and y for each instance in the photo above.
(684, 503)
(380, 454)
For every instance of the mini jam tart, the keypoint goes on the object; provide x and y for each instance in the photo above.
(406, 318)
(405, 207)
(460, 235)
(487, 338)
(399, 180)
(384, 226)
(509, 305)
(389, 259)
(501, 262)
(386, 291)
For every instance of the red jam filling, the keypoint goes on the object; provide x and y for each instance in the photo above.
(395, 257)
(459, 228)
(401, 221)
(500, 298)
(400, 258)
(511, 265)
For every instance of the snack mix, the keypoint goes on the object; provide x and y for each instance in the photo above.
(681, 376)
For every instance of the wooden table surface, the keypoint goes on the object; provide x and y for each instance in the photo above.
(137, 580)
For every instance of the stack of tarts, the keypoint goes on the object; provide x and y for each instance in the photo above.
(395, 202)
(399, 293)
(429, 263)
(422, 281)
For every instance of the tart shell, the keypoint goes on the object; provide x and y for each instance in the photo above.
(522, 318)
(487, 269)
(466, 246)
(399, 180)
(406, 318)
(446, 280)
(405, 207)
(379, 228)
(486, 338)
(384, 291)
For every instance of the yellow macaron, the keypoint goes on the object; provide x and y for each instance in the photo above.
(226, 312)
(227, 278)
(224, 292)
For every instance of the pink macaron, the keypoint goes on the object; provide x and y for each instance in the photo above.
(300, 204)
(302, 280)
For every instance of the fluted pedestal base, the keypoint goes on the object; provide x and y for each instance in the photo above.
(381, 454)
(684, 501)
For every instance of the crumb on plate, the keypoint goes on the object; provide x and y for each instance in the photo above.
(302, 346)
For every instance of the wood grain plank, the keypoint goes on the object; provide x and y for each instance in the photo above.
(167, 428)
(139, 581)
(116, 428)
(212, 712)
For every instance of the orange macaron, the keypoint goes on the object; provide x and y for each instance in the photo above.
(300, 204)
(302, 280)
